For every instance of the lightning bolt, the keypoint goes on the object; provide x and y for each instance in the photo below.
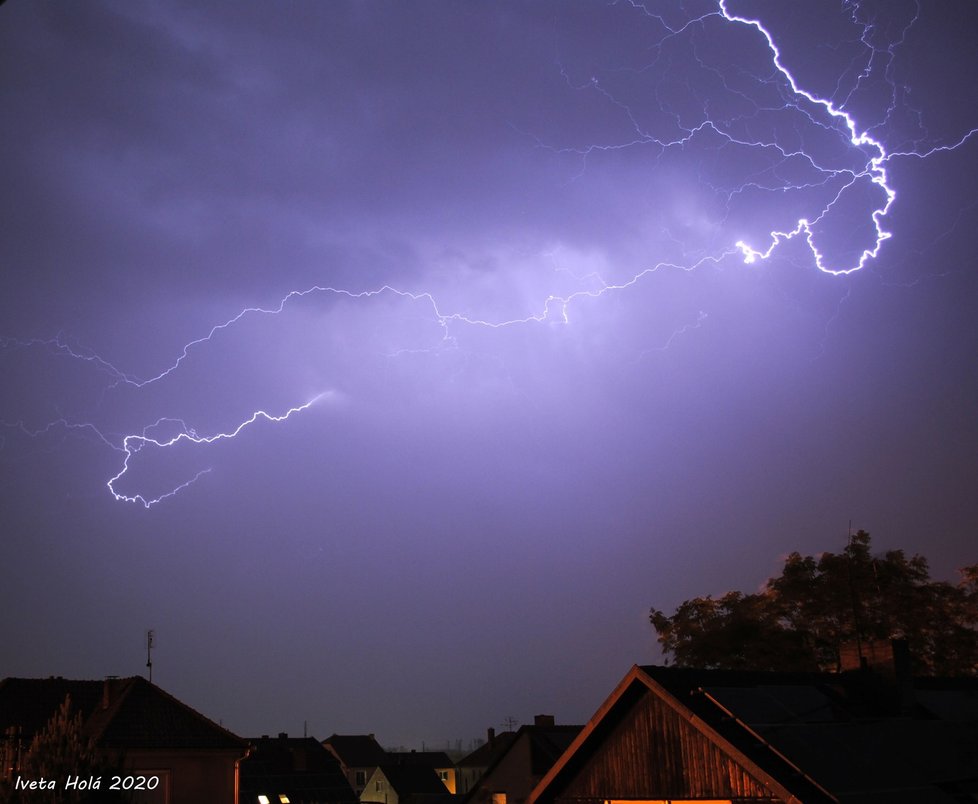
(132, 444)
(866, 148)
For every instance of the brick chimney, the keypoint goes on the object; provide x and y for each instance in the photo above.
(110, 687)
(886, 662)
(543, 720)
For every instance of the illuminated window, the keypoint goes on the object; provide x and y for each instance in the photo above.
(283, 798)
(498, 798)
(262, 799)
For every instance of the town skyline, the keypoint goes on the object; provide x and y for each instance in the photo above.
(391, 363)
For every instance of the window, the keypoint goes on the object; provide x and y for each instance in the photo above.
(443, 775)
(379, 785)
(262, 799)
(284, 799)
(498, 798)
(361, 777)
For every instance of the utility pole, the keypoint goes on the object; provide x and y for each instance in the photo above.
(149, 654)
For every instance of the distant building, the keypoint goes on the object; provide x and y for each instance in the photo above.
(869, 734)
(404, 784)
(359, 756)
(471, 767)
(297, 770)
(135, 726)
(518, 766)
(438, 761)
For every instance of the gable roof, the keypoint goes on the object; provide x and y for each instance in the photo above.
(413, 780)
(127, 713)
(814, 737)
(522, 761)
(428, 759)
(298, 767)
(356, 750)
(546, 744)
(483, 756)
(29, 703)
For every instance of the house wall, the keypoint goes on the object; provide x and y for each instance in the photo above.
(512, 775)
(448, 778)
(468, 776)
(652, 753)
(378, 790)
(187, 777)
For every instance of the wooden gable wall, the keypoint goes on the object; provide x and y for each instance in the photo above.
(647, 750)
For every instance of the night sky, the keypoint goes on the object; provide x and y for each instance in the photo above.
(535, 387)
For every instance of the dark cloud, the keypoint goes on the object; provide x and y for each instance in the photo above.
(508, 461)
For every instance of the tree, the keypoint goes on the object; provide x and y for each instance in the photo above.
(799, 619)
(58, 751)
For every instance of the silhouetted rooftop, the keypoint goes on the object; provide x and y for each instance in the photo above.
(122, 712)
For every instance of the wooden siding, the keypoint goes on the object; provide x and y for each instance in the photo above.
(651, 752)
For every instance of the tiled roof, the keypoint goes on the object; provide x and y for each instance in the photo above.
(410, 780)
(547, 743)
(823, 737)
(29, 703)
(118, 713)
(484, 755)
(298, 767)
(356, 750)
(429, 759)
(834, 728)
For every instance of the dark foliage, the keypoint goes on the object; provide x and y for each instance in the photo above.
(800, 618)
(58, 752)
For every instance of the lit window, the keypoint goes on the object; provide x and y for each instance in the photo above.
(283, 798)
(262, 799)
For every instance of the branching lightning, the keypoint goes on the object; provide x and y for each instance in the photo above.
(868, 148)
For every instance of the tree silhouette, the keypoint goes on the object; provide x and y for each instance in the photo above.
(799, 620)
(58, 751)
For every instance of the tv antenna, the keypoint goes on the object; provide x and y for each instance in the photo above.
(149, 654)
(854, 598)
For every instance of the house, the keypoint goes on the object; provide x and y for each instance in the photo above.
(359, 756)
(438, 761)
(472, 766)
(297, 770)
(516, 768)
(135, 726)
(868, 734)
(404, 784)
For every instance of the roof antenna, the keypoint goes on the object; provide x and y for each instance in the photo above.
(854, 601)
(149, 655)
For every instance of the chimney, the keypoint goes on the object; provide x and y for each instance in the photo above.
(887, 663)
(109, 686)
(491, 736)
(543, 720)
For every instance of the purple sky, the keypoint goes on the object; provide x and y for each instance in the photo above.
(573, 402)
